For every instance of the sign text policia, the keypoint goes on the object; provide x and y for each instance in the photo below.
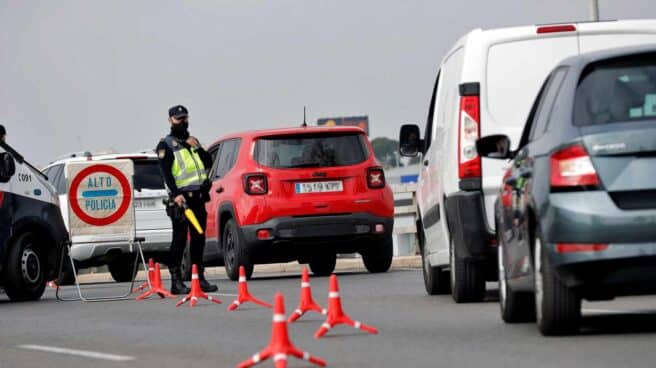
(100, 197)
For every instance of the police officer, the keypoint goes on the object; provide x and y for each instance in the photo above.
(3, 132)
(184, 164)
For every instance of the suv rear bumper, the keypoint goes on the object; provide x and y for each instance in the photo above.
(468, 226)
(294, 237)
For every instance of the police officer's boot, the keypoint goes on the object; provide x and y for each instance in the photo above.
(204, 285)
(177, 286)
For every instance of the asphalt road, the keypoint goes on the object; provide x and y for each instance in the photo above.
(417, 330)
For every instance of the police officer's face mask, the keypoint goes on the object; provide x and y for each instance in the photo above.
(180, 130)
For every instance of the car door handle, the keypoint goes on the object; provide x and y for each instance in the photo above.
(425, 162)
(219, 190)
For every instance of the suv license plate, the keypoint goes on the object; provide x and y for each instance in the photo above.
(319, 187)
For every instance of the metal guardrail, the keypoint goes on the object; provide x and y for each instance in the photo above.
(405, 212)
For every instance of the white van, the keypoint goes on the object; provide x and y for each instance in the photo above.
(486, 85)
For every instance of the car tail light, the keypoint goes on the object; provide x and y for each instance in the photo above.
(2, 198)
(469, 162)
(375, 177)
(580, 247)
(556, 28)
(256, 184)
(572, 167)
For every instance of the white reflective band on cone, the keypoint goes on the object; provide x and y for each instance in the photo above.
(151, 269)
(236, 302)
(299, 312)
(306, 355)
(194, 298)
(305, 284)
(324, 311)
(326, 325)
(194, 276)
(358, 324)
(279, 356)
(256, 358)
(279, 318)
(242, 279)
(333, 294)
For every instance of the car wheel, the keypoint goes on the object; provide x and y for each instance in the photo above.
(558, 308)
(25, 272)
(185, 265)
(377, 258)
(235, 253)
(122, 269)
(436, 280)
(467, 278)
(323, 264)
(516, 307)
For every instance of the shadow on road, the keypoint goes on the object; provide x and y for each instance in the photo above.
(619, 323)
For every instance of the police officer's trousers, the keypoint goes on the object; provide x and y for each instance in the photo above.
(182, 227)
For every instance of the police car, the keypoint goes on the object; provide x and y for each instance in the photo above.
(152, 222)
(32, 231)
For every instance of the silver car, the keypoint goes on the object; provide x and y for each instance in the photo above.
(151, 220)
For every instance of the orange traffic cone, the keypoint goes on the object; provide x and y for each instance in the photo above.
(151, 270)
(280, 346)
(307, 302)
(156, 285)
(336, 315)
(196, 292)
(244, 296)
(53, 284)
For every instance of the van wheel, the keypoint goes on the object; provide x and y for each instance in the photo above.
(467, 278)
(122, 269)
(25, 271)
(234, 252)
(323, 264)
(436, 280)
(558, 308)
(185, 265)
(377, 258)
(515, 307)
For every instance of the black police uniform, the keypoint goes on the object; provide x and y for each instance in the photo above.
(195, 201)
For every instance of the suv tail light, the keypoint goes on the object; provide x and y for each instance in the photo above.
(255, 184)
(572, 167)
(579, 247)
(469, 162)
(375, 177)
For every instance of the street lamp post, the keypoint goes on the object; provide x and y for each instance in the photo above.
(594, 10)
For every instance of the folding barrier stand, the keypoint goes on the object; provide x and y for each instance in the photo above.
(139, 256)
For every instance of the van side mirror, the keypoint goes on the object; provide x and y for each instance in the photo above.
(494, 146)
(7, 167)
(410, 143)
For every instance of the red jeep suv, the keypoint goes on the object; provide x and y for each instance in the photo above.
(302, 194)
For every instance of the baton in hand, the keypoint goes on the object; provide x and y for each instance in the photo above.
(189, 214)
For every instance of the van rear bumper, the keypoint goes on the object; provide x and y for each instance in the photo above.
(467, 224)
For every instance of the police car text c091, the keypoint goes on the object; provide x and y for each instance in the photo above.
(32, 231)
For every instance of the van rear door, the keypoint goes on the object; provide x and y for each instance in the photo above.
(604, 35)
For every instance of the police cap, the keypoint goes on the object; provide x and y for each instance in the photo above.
(178, 111)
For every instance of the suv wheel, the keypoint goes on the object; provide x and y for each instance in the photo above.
(323, 264)
(515, 307)
(122, 268)
(25, 273)
(377, 258)
(436, 280)
(235, 253)
(467, 278)
(558, 308)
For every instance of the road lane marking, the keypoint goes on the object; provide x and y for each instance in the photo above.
(81, 353)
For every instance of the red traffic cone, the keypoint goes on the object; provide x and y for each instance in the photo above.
(280, 346)
(196, 292)
(244, 296)
(151, 270)
(336, 315)
(53, 284)
(307, 302)
(156, 285)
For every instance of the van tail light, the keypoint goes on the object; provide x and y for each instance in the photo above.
(469, 162)
(375, 177)
(572, 167)
(579, 247)
(556, 28)
(256, 184)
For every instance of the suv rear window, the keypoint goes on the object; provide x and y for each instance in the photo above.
(617, 91)
(147, 175)
(311, 150)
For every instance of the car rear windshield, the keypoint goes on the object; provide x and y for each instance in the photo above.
(147, 175)
(311, 150)
(617, 91)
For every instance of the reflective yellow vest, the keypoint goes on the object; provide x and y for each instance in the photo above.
(187, 169)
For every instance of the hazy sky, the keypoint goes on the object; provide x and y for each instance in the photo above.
(98, 74)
